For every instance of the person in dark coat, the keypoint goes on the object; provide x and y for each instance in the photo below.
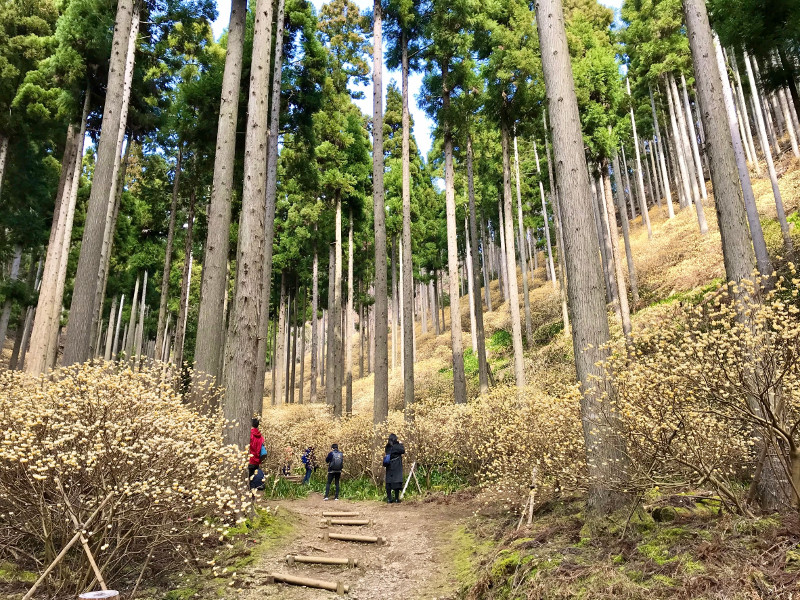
(335, 460)
(309, 459)
(394, 469)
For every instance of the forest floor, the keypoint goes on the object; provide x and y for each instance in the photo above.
(420, 559)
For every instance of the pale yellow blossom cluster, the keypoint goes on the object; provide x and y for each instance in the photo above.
(73, 438)
(707, 400)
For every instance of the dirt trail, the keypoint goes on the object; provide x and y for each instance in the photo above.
(414, 563)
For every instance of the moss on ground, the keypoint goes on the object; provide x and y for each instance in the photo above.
(697, 555)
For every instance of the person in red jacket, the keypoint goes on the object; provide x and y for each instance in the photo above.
(256, 441)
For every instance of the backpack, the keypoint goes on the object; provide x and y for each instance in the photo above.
(262, 455)
(337, 461)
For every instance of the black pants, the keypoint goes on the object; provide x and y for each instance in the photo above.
(389, 488)
(332, 477)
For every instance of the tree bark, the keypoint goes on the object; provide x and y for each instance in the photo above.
(626, 233)
(523, 250)
(511, 270)
(242, 388)
(559, 230)
(3, 157)
(662, 159)
(698, 163)
(115, 343)
(293, 329)
(551, 268)
(601, 222)
(209, 348)
(173, 210)
(607, 459)
(186, 278)
(5, 314)
(381, 380)
(140, 324)
(336, 313)
(639, 180)
(79, 335)
(685, 147)
(763, 260)
(748, 129)
(408, 268)
(110, 331)
(483, 378)
(314, 320)
(348, 333)
(272, 182)
(303, 347)
(611, 220)
(773, 176)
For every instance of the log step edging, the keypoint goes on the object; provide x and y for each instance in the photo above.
(333, 586)
(353, 522)
(349, 537)
(340, 514)
(321, 560)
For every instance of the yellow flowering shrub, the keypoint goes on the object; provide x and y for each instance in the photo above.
(697, 400)
(89, 431)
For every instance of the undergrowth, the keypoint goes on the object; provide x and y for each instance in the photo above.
(700, 554)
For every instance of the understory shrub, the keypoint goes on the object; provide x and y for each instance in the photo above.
(70, 440)
(713, 401)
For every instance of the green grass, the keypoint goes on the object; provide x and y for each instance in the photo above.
(500, 341)
(363, 488)
(10, 573)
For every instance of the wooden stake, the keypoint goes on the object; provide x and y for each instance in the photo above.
(84, 541)
(66, 548)
(410, 473)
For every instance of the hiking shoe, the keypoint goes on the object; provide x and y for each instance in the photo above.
(325, 498)
(336, 499)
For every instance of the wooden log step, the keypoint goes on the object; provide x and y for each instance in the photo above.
(321, 560)
(334, 586)
(349, 537)
(338, 514)
(100, 594)
(347, 522)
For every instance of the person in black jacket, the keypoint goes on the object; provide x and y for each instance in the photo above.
(394, 468)
(335, 460)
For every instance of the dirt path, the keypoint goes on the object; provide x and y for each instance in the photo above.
(414, 563)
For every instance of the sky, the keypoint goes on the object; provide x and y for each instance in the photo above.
(423, 126)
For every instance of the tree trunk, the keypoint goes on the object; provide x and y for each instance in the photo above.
(476, 297)
(209, 348)
(79, 335)
(140, 324)
(486, 266)
(325, 343)
(314, 325)
(128, 342)
(336, 314)
(601, 222)
(280, 346)
(395, 310)
(684, 146)
(653, 169)
(5, 314)
(698, 163)
(48, 307)
(272, 182)
(173, 211)
(662, 159)
(180, 327)
(763, 260)
(523, 250)
(434, 297)
(511, 270)
(473, 329)
(348, 332)
(680, 157)
(293, 384)
(639, 180)
(744, 114)
(559, 230)
(287, 361)
(115, 343)
(626, 233)
(551, 268)
(381, 381)
(787, 118)
(611, 221)
(607, 462)
(361, 326)
(646, 167)
(303, 346)
(242, 387)
(110, 331)
(502, 262)
(773, 176)
(3, 157)
(737, 252)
